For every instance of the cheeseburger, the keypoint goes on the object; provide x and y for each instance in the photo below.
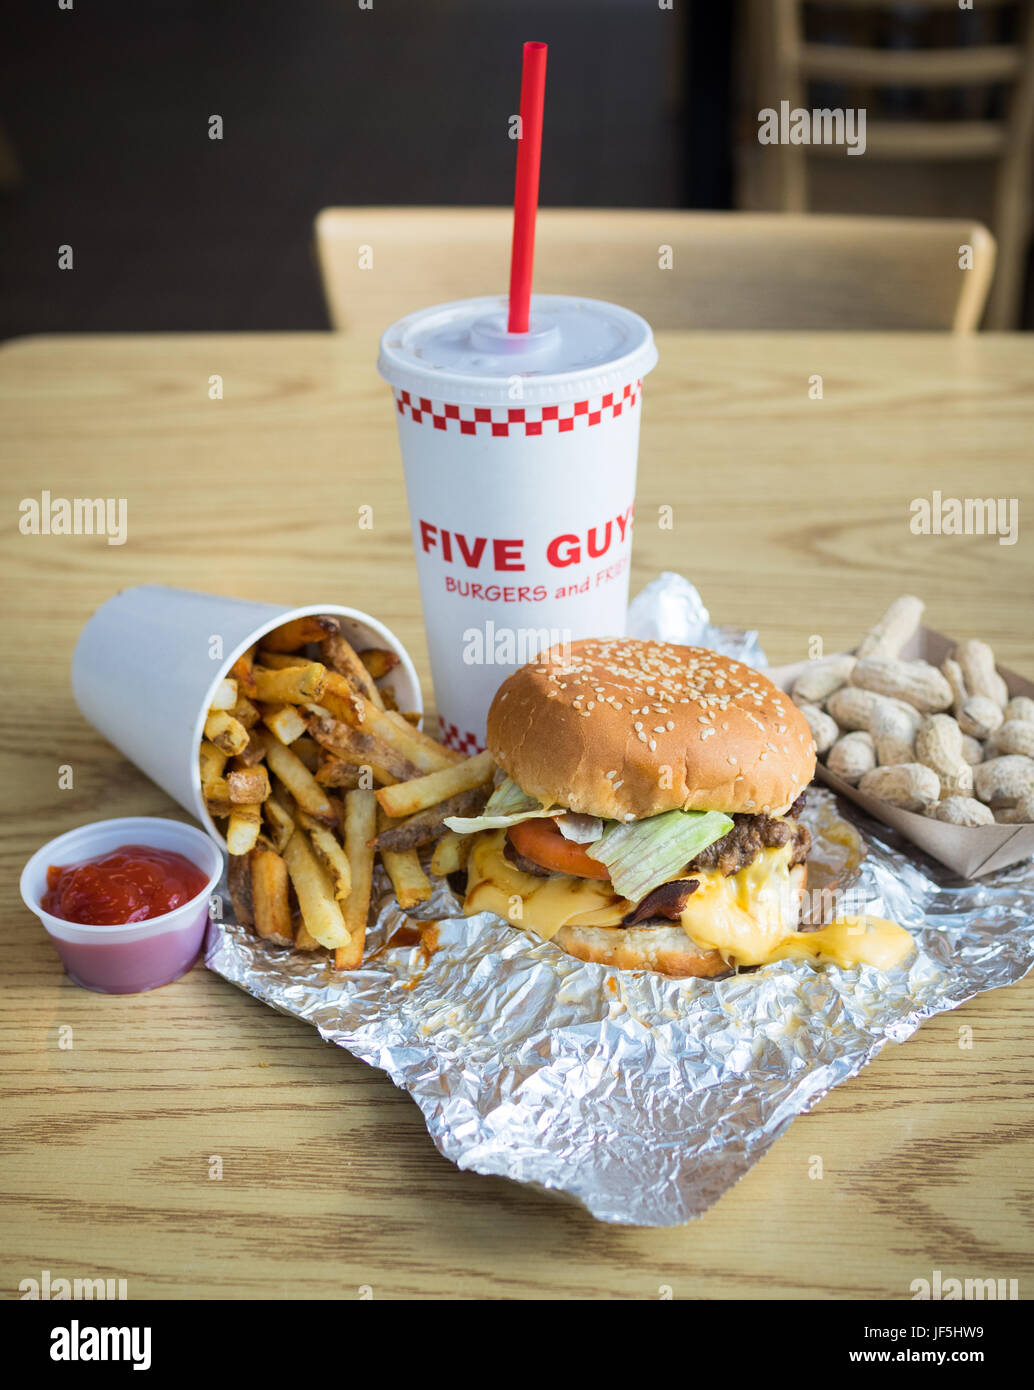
(647, 818)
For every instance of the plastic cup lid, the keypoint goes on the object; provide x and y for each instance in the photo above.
(462, 352)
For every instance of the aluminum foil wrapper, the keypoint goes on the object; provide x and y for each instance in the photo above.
(641, 1097)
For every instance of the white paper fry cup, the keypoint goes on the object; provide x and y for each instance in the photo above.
(147, 664)
(519, 452)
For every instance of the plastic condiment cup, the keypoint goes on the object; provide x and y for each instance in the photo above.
(148, 663)
(136, 956)
(519, 452)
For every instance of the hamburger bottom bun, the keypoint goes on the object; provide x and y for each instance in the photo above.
(664, 948)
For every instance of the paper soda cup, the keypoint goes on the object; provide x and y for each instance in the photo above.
(519, 452)
(147, 664)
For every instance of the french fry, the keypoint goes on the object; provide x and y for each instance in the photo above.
(242, 673)
(212, 761)
(285, 721)
(411, 884)
(245, 712)
(450, 853)
(269, 880)
(330, 853)
(280, 661)
(425, 826)
(219, 807)
(362, 749)
(227, 733)
(248, 784)
(300, 782)
(335, 772)
(238, 881)
(304, 939)
(378, 661)
(423, 752)
(320, 911)
(255, 751)
(243, 829)
(280, 822)
(298, 633)
(308, 750)
(340, 655)
(388, 698)
(407, 723)
(360, 827)
(293, 684)
(408, 797)
(344, 700)
(225, 696)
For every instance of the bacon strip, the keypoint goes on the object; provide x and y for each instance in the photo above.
(666, 901)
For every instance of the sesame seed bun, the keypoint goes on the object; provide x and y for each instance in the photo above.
(625, 729)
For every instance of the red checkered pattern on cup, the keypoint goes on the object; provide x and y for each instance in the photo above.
(503, 421)
(452, 738)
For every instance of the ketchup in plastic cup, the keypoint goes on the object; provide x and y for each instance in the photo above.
(519, 452)
(125, 902)
(130, 884)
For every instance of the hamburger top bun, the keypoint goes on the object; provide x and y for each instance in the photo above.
(625, 729)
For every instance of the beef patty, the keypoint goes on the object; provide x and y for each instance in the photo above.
(752, 834)
(734, 851)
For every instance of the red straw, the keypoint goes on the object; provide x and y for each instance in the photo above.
(526, 189)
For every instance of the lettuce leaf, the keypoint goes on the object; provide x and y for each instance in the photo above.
(507, 806)
(643, 854)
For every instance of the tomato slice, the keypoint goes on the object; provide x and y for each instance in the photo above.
(541, 841)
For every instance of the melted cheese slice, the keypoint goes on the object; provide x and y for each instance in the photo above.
(744, 916)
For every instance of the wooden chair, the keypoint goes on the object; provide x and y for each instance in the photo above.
(678, 269)
(787, 65)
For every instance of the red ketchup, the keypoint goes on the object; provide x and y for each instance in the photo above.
(130, 884)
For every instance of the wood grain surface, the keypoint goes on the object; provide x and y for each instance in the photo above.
(790, 514)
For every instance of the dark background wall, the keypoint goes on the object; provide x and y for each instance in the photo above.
(106, 108)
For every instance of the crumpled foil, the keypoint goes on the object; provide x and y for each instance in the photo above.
(641, 1097)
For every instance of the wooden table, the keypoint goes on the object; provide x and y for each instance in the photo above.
(791, 514)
